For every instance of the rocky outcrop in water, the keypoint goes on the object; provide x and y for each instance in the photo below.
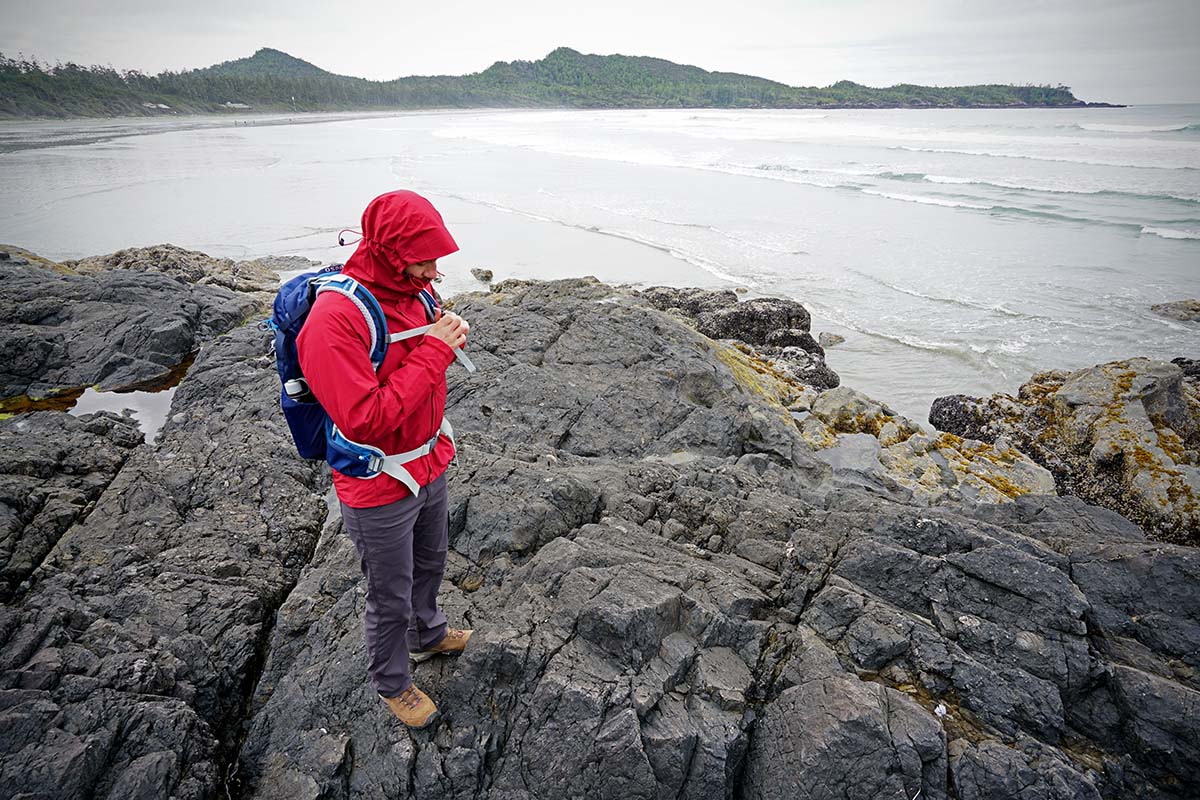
(827, 339)
(1123, 435)
(672, 597)
(865, 441)
(777, 329)
(114, 328)
(1182, 310)
(258, 277)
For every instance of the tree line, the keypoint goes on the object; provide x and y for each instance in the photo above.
(272, 81)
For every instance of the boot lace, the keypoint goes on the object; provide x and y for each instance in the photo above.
(409, 697)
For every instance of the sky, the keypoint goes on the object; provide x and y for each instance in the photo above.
(1119, 51)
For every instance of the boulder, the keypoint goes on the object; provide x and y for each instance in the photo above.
(686, 301)
(1123, 435)
(753, 321)
(867, 441)
(830, 339)
(114, 328)
(1183, 310)
(257, 277)
(775, 329)
(1190, 367)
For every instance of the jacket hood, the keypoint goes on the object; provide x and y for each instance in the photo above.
(398, 228)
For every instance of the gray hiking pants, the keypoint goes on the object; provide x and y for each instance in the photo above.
(402, 551)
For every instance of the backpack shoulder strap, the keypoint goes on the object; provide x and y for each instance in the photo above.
(433, 309)
(367, 305)
(432, 303)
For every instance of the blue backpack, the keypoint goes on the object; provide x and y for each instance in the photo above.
(315, 434)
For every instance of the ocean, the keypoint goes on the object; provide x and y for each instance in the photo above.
(958, 251)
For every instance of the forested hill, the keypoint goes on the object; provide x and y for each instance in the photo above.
(271, 80)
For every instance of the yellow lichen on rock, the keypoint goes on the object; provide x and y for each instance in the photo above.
(756, 376)
(1124, 435)
(852, 432)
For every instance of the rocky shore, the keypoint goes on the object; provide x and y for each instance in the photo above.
(696, 567)
(1123, 435)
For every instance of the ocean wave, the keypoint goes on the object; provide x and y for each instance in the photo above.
(972, 356)
(855, 173)
(709, 266)
(1029, 157)
(1033, 213)
(797, 175)
(1052, 215)
(1170, 233)
(1029, 187)
(932, 201)
(1107, 128)
(948, 179)
(960, 302)
(775, 172)
(946, 202)
(916, 177)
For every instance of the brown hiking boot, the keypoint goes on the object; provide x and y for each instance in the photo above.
(413, 707)
(454, 642)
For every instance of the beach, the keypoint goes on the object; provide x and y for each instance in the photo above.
(955, 250)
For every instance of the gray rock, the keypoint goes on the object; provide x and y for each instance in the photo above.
(839, 737)
(55, 468)
(867, 443)
(1124, 435)
(721, 315)
(688, 302)
(481, 275)
(802, 365)
(1183, 310)
(776, 329)
(1190, 367)
(125, 666)
(255, 277)
(113, 328)
(606, 677)
(200, 632)
(992, 769)
(794, 337)
(828, 339)
(752, 321)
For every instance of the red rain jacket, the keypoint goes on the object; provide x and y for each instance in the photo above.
(400, 407)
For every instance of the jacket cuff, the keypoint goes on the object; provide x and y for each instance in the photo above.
(443, 350)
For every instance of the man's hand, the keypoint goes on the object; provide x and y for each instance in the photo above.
(451, 329)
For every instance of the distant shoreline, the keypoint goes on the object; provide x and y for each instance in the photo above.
(391, 112)
(142, 124)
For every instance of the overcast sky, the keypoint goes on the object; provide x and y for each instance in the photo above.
(1106, 50)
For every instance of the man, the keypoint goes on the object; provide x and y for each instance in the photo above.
(401, 537)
